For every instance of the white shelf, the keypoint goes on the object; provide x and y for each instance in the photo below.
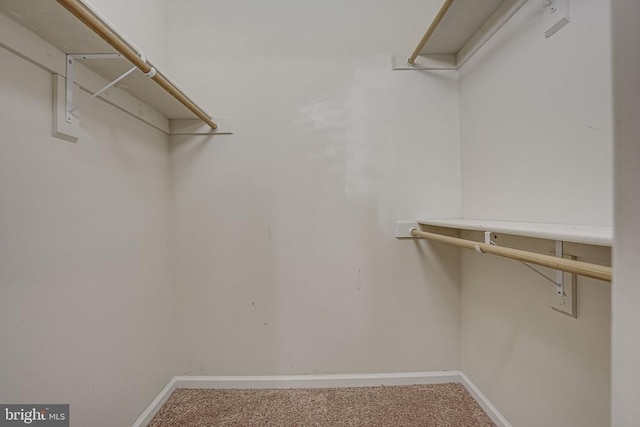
(464, 19)
(466, 26)
(54, 24)
(591, 235)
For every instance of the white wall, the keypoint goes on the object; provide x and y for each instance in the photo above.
(536, 145)
(143, 22)
(536, 121)
(85, 293)
(626, 292)
(285, 256)
(539, 367)
(282, 255)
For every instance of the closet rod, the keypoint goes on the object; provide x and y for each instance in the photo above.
(577, 267)
(436, 21)
(84, 14)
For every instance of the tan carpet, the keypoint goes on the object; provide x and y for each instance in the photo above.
(440, 405)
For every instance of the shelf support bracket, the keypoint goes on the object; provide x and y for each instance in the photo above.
(69, 108)
(565, 286)
(558, 281)
(98, 93)
(565, 298)
(559, 274)
(64, 125)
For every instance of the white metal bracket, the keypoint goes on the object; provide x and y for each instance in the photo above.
(62, 129)
(565, 284)
(567, 302)
(69, 108)
(555, 16)
(559, 280)
(559, 275)
(64, 125)
(487, 241)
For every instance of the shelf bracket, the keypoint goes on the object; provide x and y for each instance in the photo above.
(565, 300)
(64, 125)
(69, 108)
(559, 275)
(565, 284)
(557, 282)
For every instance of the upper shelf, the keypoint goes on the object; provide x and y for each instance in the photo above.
(463, 19)
(462, 26)
(53, 23)
(591, 235)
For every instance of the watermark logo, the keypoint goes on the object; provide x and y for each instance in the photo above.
(34, 415)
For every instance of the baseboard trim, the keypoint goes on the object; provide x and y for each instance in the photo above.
(320, 381)
(484, 402)
(153, 408)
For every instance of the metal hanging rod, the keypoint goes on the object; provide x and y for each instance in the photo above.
(595, 271)
(432, 28)
(84, 14)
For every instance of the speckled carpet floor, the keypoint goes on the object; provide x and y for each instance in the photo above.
(438, 405)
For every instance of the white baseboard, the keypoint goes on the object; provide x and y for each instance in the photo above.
(484, 402)
(153, 408)
(320, 381)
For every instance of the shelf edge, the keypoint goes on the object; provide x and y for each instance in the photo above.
(574, 233)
